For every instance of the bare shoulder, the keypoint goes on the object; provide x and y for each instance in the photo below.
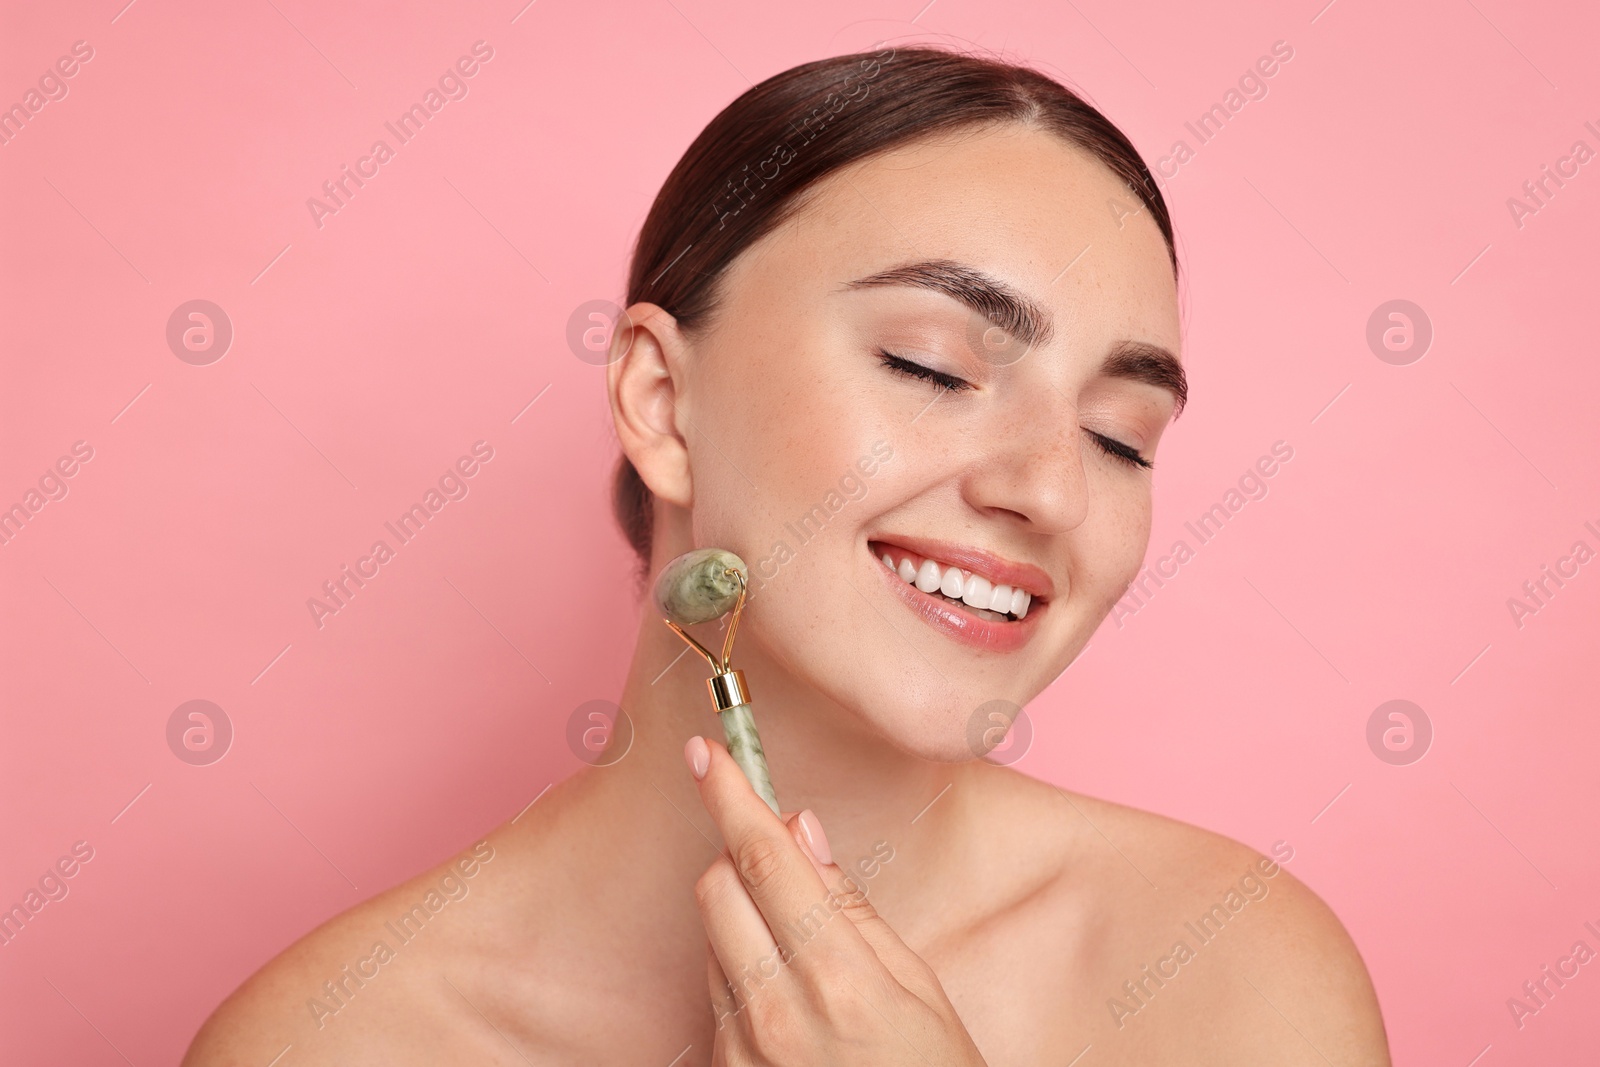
(368, 985)
(1217, 949)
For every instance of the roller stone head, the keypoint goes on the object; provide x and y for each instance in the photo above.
(696, 587)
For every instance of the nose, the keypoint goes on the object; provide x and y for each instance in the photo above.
(1030, 463)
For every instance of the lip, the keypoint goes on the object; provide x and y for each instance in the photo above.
(956, 622)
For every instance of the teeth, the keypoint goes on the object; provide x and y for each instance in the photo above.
(974, 590)
(951, 586)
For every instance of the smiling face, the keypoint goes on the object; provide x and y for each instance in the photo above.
(846, 404)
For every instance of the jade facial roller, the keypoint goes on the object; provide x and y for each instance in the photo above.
(702, 586)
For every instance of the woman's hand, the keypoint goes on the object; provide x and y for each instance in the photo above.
(801, 968)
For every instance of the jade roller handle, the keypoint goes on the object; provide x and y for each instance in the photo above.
(744, 745)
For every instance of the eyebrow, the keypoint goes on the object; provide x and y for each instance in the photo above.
(1138, 361)
(1029, 323)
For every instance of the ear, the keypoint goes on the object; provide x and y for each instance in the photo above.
(644, 380)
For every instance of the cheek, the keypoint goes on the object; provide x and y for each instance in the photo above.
(1111, 545)
(1133, 518)
(768, 468)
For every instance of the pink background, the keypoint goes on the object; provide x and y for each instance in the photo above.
(426, 315)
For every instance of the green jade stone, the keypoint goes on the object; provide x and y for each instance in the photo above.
(696, 587)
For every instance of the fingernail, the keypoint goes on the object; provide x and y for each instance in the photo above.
(698, 756)
(816, 840)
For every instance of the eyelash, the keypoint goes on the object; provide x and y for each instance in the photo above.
(1109, 445)
(927, 374)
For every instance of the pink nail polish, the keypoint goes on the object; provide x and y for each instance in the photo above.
(698, 756)
(816, 840)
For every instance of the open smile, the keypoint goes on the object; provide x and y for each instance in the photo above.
(973, 605)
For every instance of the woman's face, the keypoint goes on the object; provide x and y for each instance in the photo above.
(1007, 460)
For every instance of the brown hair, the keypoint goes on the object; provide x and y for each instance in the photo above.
(745, 173)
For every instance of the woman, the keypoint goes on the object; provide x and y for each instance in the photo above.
(901, 333)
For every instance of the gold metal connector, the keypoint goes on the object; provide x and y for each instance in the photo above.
(728, 690)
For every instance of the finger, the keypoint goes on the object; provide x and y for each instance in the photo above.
(778, 874)
(724, 1007)
(737, 930)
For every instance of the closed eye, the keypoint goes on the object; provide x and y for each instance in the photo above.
(1119, 451)
(927, 374)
